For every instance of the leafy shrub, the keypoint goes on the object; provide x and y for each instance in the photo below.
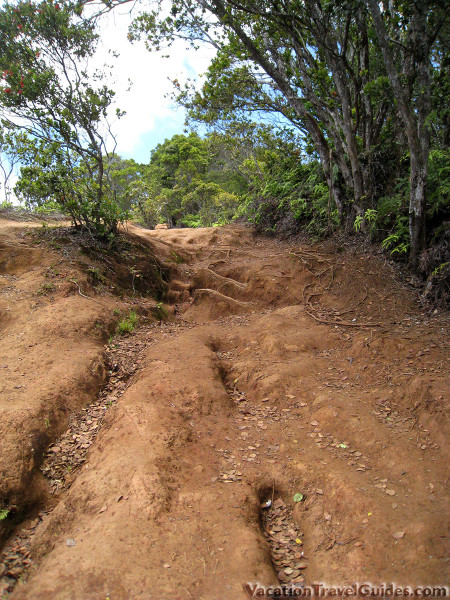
(438, 186)
(435, 266)
(191, 221)
(290, 195)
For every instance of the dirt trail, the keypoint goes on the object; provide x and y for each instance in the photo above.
(286, 371)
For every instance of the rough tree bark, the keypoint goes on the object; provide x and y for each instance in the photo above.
(416, 128)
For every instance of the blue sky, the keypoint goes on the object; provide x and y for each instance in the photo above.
(162, 128)
(151, 116)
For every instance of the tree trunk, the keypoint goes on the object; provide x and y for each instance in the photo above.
(415, 120)
(279, 78)
(418, 183)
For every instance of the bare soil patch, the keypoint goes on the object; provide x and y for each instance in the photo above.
(287, 425)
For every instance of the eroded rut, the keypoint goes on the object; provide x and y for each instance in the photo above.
(266, 435)
(285, 539)
(68, 454)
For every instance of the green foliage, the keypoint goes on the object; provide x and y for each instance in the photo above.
(359, 221)
(4, 512)
(48, 208)
(46, 288)
(370, 218)
(8, 162)
(209, 203)
(191, 221)
(189, 182)
(439, 184)
(5, 205)
(389, 221)
(127, 323)
(286, 193)
(126, 182)
(53, 113)
(362, 85)
(160, 312)
(96, 276)
(395, 242)
(365, 113)
(440, 268)
(52, 177)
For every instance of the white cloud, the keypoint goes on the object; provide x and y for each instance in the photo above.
(150, 114)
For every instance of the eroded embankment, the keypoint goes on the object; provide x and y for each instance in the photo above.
(63, 459)
(150, 469)
(188, 460)
(52, 363)
(60, 300)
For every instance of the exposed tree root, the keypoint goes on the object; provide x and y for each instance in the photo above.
(218, 296)
(222, 279)
(230, 287)
(344, 323)
(81, 293)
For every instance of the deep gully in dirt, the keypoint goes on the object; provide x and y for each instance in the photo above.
(64, 457)
(67, 455)
(283, 536)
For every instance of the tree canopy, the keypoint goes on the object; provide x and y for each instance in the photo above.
(47, 92)
(335, 113)
(353, 77)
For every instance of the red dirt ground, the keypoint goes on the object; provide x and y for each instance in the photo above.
(283, 370)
